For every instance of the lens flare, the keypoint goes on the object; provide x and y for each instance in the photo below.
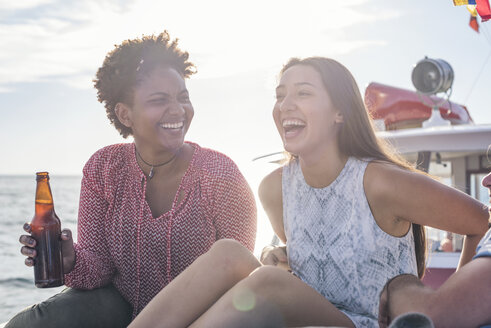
(244, 300)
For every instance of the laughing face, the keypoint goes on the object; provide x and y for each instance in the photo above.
(161, 111)
(303, 112)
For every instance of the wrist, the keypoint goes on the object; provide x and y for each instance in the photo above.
(72, 260)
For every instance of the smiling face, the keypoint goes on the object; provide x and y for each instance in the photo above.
(303, 113)
(161, 112)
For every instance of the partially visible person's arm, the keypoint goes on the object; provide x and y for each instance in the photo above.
(464, 300)
(468, 249)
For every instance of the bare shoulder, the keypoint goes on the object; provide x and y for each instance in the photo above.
(379, 177)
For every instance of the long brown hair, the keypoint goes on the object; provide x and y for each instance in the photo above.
(357, 136)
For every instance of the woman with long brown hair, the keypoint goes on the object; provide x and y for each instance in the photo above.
(350, 213)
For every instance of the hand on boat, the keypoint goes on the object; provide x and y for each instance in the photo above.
(275, 255)
(67, 249)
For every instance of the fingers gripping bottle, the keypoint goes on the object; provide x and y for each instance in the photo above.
(46, 229)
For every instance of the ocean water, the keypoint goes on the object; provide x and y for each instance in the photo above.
(17, 195)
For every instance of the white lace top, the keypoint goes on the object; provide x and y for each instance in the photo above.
(335, 245)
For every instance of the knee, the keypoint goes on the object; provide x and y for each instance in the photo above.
(229, 250)
(43, 314)
(103, 307)
(266, 280)
(38, 315)
(261, 291)
(231, 256)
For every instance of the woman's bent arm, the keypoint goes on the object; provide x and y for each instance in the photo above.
(93, 267)
(397, 196)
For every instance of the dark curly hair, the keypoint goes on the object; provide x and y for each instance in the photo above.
(128, 63)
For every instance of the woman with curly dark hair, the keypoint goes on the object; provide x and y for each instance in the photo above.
(149, 208)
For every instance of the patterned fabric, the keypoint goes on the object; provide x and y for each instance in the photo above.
(484, 247)
(120, 242)
(335, 245)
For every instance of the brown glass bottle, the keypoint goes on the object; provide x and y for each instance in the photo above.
(46, 230)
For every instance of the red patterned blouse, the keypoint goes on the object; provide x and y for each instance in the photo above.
(120, 242)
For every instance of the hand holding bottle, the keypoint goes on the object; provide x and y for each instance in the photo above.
(67, 250)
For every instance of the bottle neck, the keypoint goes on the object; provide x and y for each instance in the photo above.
(44, 198)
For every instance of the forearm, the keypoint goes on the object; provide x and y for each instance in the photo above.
(468, 249)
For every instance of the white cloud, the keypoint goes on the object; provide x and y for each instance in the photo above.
(223, 37)
(9, 5)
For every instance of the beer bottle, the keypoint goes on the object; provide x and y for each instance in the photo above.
(46, 230)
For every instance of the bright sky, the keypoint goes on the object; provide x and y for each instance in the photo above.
(50, 50)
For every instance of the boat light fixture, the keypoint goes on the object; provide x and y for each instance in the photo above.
(431, 76)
